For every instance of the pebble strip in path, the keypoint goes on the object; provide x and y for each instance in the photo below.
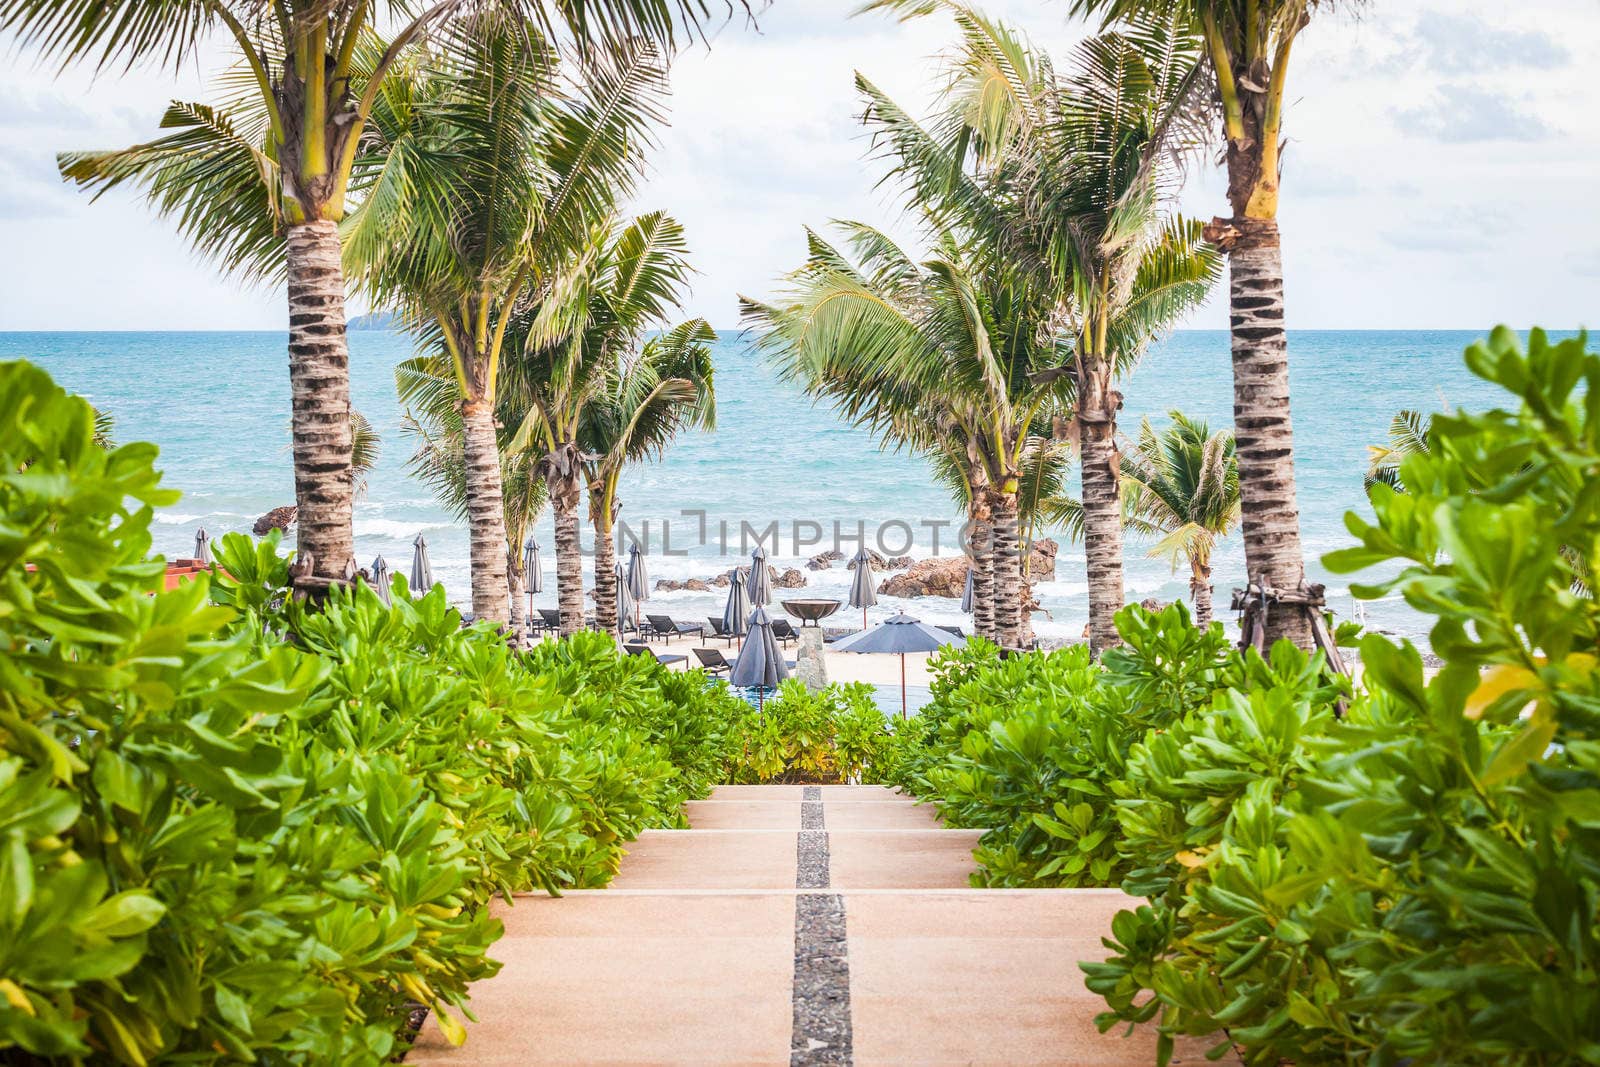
(821, 952)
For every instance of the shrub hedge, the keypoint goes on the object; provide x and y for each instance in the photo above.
(1404, 873)
(243, 830)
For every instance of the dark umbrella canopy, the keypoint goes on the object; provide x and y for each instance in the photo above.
(966, 594)
(202, 546)
(737, 610)
(421, 569)
(532, 568)
(625, 606)
(760, 581)
(898, 635)
(638, 578)
(382, 579)
(760, 663)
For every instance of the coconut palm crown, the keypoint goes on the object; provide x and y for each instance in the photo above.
(497, 162)
(273, 191)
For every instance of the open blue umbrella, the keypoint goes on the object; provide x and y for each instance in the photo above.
(638, 579)
(760, 581)
(966, 593)
(625, 605)
(202, 547)
(736, 611)
(897, 635)
(760, 664)
(421, 569)
(862, 595)
(382, 580)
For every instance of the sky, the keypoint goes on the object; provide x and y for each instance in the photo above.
(1441, 172)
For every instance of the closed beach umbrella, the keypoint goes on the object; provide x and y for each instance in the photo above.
(966, 594)
(382, 579)
(862, 595)
(421, 569)
(202, 547)
(638, 578)
(532, 570)
(760, 581)
(737, 610)
(760, 663)
(898, 635)
(625, 605)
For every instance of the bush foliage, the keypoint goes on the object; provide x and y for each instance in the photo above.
(243, 830)
(835, 735)
(1404, 873)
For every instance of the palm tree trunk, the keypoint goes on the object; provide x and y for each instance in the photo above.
(569, 558)
(486, 513)
(1007, 569)
(517, 590)
(1262, 427)
(319, 388)
(1102, 531)
(980, 539)
(605, 569)
(1200, 593)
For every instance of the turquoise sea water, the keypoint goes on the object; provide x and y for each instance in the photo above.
(217, 404)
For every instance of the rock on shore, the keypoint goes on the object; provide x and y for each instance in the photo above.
(946, 576)
(790, 578)
(276, 519)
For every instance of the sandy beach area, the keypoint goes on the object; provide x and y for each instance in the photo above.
(842, 666)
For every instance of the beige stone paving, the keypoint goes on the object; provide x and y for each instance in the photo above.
(689, 957)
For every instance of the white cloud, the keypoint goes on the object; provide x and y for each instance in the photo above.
(1464, 114)
(1384, 225)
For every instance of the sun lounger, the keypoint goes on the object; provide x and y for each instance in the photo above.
(645, 650)
(718, 630)
(551, 619)
(784, 631)
(668, 628)
(954, 631)
(712, 661)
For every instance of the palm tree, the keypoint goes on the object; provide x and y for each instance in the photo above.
(493, 172)
(1079, 173)
(265, 194)
(1247, 48)
(1185, 489)
(1408, 436)
(561, 354)
(951, 357)
(430, 390)
(1180, 486)
(647, 400)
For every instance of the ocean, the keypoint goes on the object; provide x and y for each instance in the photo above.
(217, 404)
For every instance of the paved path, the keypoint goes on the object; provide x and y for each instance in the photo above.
(799, 925)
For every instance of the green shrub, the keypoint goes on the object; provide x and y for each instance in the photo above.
(836, 734)
(247, 830)
(1418, 881)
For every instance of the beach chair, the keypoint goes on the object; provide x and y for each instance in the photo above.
(784, 631)
(954, 631)
(551, 619)
(668, 628)
(634, 649)
(712, 661)
(719, 630)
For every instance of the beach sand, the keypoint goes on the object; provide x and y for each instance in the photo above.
(842, 666)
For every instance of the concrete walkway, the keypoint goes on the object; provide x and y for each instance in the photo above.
(799, 925)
